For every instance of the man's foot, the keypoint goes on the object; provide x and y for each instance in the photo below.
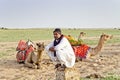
(57, 65)
(61, 68)
(78, 59)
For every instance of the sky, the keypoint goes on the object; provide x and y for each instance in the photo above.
(60, 13)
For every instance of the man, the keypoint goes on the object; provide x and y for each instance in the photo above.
(60, 50)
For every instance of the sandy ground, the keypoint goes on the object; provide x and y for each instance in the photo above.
(104, 64)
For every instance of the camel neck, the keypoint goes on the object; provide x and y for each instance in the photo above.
(39, 54)
(100, 44)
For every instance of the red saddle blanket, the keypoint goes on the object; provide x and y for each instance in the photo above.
(81, 51)
(23, 50)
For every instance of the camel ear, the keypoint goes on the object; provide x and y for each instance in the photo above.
(37, 44)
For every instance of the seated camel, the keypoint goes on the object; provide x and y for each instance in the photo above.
(85, 51)
(34, 58)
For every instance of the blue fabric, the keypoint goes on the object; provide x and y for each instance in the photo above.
(56, 42)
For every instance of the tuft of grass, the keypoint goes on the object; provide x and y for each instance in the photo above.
(111, 78)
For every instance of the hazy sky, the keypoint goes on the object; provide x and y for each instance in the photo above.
(60, 13)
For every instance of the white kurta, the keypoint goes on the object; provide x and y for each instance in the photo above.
(64, 53)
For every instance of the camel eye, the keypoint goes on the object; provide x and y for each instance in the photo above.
(107, 36)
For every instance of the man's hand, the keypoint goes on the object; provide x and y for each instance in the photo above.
(52, 49)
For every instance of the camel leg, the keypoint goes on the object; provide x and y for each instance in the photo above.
(34, 66)
(28, 61)
(88, 55)
(38, 66)
(30, 65)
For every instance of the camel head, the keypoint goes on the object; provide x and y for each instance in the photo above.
(40, 46)
(106, 37)
(82, 33)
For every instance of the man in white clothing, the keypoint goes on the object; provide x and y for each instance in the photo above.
(60, 50)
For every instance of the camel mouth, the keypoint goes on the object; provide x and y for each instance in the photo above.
(111, 36)
(108, 37)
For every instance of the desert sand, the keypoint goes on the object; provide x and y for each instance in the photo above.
(106, 63)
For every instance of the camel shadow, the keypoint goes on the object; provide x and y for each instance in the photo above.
(8, 63)
(13, 64)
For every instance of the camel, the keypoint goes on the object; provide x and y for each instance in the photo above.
(94, 51)
(34, 58)
(82, 34)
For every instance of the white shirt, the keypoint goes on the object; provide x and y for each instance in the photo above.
(64, 52)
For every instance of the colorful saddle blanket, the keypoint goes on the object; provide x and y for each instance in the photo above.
(24, 48)
(81, 51)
